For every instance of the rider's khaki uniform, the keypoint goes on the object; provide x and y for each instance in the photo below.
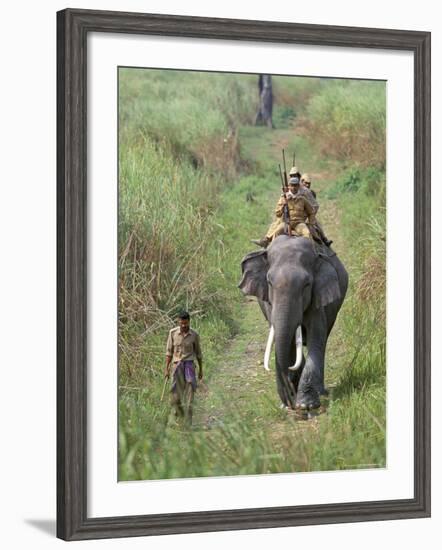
(300, 210)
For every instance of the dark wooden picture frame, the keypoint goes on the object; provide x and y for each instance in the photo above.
(73, 27)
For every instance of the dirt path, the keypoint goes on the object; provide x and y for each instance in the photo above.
(238, 374)
(240, 388)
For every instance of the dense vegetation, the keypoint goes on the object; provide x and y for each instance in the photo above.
(178, 148)
(197, 181)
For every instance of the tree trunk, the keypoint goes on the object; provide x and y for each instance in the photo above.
(264, 115)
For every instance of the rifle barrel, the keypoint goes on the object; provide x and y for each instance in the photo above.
(285, 168)
(281, 176)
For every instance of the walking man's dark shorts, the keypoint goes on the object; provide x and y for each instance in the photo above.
(186, 371)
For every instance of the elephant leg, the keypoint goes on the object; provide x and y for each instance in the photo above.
(287, 381)
(311, 383)
(286, 389)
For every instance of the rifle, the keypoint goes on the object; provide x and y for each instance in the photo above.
(286, 208)
(285, 169)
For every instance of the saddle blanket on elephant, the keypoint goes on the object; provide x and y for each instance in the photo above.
(185, 370)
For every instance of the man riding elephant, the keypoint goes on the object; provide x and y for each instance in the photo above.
(306, 182)
(299, 210)
(305, 189)
(318, 232)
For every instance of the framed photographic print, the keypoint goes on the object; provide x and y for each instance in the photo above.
(243, 274)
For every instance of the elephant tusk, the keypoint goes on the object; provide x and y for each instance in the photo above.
(269, 348)
(298, 339)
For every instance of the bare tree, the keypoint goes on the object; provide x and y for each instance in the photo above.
(264, 115)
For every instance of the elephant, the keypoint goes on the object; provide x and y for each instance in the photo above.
(300, 292)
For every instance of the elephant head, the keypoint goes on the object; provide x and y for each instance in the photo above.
(300, 294)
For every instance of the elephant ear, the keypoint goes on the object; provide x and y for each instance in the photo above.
(326, 288)
(254, 268)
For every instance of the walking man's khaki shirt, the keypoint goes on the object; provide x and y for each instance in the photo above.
(183, 347)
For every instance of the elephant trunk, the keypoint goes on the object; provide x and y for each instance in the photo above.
(286, 325)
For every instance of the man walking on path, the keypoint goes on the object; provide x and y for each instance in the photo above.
(182, 349)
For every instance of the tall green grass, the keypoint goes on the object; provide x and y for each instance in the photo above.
(255, 436)
(250, 440)
(360, 196)
(178, 148)
(196, 113)
(350, 436)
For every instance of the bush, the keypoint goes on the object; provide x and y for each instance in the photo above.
(294, 92)
(283, 116)
(347, 120)
(368, 181)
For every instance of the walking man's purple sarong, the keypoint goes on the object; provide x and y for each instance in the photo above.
(186, 370)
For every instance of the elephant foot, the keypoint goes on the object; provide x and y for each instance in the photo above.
(308, 406)
(308, 400)
(287, 407)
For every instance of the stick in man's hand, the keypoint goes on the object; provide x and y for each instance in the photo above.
(166, 378)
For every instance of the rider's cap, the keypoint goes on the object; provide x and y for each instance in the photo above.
(294, 181)
(306, 178)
